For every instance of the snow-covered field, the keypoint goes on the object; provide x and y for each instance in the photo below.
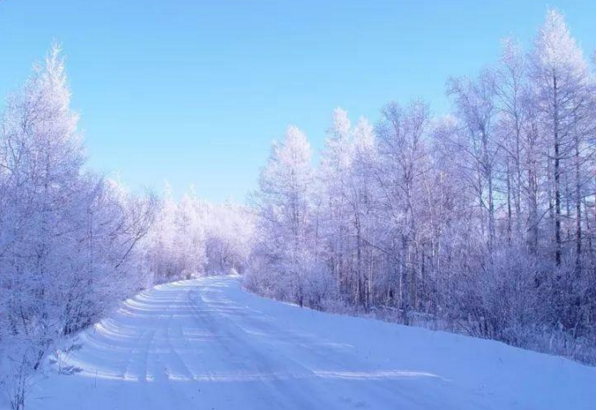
(207, 344)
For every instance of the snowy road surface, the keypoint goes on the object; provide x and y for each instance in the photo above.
(206, 344)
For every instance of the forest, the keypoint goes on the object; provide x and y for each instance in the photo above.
(480, 222)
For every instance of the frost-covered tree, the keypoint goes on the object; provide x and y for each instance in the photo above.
(476, 109)
(285, 260)
(403, 163)
(363, 204)
(229, 238)
(189, 240)
(562, 94)
(335, 212)
(177, 242)
(67, 237)
(41, 159)
(511, 91)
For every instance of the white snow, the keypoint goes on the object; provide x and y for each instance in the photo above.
(207, 344)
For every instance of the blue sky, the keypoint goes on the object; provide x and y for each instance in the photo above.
(194, 92)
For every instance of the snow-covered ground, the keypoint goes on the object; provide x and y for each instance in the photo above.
(207, 344)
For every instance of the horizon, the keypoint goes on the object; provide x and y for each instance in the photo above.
(212, 86)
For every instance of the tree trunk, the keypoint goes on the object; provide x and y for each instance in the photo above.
(556, 175)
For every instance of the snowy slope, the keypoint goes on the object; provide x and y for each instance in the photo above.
(207, 344)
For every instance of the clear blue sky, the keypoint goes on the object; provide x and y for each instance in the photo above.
(194, 92)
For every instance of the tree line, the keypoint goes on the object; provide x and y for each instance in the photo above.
(481, 221)
(67, 236)
(73, 243)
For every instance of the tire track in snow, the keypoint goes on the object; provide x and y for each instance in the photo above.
(275, 387)
(338, 367)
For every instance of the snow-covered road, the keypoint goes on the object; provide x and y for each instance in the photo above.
(207, 344)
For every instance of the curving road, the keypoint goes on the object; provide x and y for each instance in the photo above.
(207, 344)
